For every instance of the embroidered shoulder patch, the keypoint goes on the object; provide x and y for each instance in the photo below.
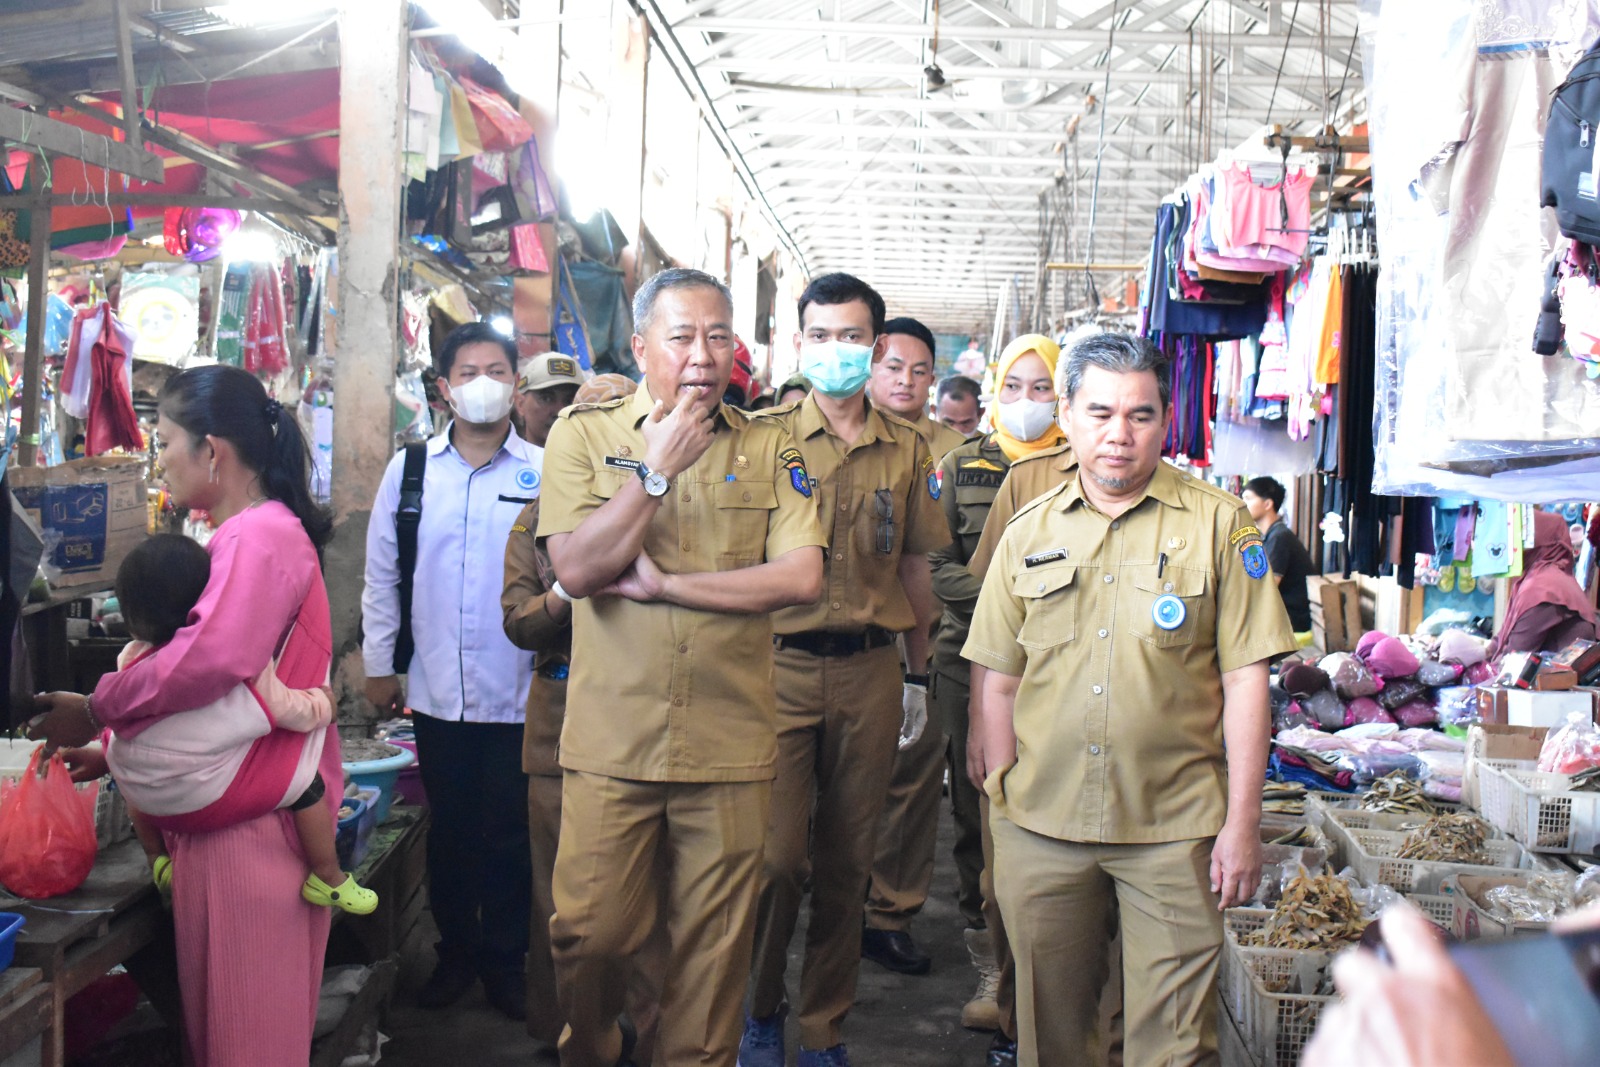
(931, 473)
(795, 463)
(1254, 554)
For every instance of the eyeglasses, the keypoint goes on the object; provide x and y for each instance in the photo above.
(884, 503)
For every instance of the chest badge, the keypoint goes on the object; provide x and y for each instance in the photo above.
(623, 451)
(1168, 612)
(1176, 542)
(741, 463)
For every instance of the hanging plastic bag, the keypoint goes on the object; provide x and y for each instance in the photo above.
(47, 836)
(1571, 747)
(500, 127)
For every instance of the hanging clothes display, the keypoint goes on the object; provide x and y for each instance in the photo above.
(112, 422)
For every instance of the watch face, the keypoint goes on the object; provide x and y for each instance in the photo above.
(656, 484)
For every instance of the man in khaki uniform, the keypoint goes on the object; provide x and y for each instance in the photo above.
(538, 620)
(677, 525)
(1126, 629)
(908, 829)
(841, 693)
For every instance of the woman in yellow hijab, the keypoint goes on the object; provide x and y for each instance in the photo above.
(1025, 404)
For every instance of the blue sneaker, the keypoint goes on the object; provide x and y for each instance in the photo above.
(828, 1057)
(762, 1043)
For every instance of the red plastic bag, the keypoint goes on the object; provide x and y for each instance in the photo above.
(47, 838)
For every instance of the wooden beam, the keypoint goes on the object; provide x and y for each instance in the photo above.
(238, 203)
(215, 160)
(130, 88)
(197, 68)
(33, 354)
(32, 130)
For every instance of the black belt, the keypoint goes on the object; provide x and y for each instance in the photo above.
(829, 643)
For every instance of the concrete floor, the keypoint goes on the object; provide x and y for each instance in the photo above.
(897, 1022)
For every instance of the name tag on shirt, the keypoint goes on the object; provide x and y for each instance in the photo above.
(625, 464)
(1040, 558)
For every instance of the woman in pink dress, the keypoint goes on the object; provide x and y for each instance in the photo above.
(249, 948)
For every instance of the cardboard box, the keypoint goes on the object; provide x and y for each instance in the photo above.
(1527, 708)
(1555, 679)
(1470, 920)
(92, 512)
(1492, 705)
(1497, 741)
(1341, 614)
(1580, 655)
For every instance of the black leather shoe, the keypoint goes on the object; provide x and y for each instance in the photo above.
(895, 950)
(507, 993)
(448, 984)
(1002, 1052)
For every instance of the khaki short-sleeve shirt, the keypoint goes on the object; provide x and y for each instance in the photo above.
(528, 624)
(1121, 630)
(942, 440)
(876, 500)
(658, 692)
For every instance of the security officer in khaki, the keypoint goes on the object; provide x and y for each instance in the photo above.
(842, 694)
(1126, 626)
(538, 620)
(971, 476)
(908, 829)
(676, 525)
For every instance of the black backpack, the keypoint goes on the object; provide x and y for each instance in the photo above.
(1571, 167)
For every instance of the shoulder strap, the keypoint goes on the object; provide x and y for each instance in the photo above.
(407, 517)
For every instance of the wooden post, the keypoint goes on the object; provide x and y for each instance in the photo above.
(33, 358)
(373, 57)
(630, 44)
(130, 87)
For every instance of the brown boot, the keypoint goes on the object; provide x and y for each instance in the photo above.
(982, 1012)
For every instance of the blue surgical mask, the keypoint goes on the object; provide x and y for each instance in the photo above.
(836, 368)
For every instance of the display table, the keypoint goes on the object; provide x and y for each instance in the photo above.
(74, 939)
(25, 1015)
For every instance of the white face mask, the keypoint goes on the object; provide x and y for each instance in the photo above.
(482, 400)
(1026, 420)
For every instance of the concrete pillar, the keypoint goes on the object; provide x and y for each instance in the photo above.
(625, 96)
(372, 108)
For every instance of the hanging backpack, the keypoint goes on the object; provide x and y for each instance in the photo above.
(1570, 177)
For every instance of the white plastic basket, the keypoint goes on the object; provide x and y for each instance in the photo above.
(1537, 808)
(1337, 823)
(1375, 857)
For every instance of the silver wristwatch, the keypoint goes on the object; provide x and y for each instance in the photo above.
(654, 484)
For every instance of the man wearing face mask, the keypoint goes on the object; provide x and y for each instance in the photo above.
(466, 682)
(842, 695)
(971, 475)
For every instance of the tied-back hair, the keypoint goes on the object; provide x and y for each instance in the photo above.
(159, 583)
(227, 402)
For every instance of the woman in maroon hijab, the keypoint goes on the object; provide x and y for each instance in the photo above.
(1548, 608)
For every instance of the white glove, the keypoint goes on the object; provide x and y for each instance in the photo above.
(914, 706)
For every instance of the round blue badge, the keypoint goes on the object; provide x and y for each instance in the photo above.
(528, 478)
(1169, 612)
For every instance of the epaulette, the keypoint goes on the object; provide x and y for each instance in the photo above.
(1048, 453)
(775, 412)
(1038, 501)
(604, 405)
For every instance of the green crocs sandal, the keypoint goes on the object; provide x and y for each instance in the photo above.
(347, 896)
(162, 875)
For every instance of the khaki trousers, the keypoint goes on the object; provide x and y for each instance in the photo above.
(1055, 895)
(838, 719)
(617, 839)
(908, 831)
(643, 991)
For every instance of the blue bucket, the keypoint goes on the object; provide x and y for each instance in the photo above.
(10, 927)
(380, 773)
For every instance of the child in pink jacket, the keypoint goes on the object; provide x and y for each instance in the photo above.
(212, 766)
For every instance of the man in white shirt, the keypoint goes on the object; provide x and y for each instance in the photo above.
(466, 682)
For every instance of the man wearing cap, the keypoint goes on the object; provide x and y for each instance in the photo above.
(538, 620)
(676, 525)
(842, 694)
(970, 476)
(1126, 627)
(547, 384)
(902, 870)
